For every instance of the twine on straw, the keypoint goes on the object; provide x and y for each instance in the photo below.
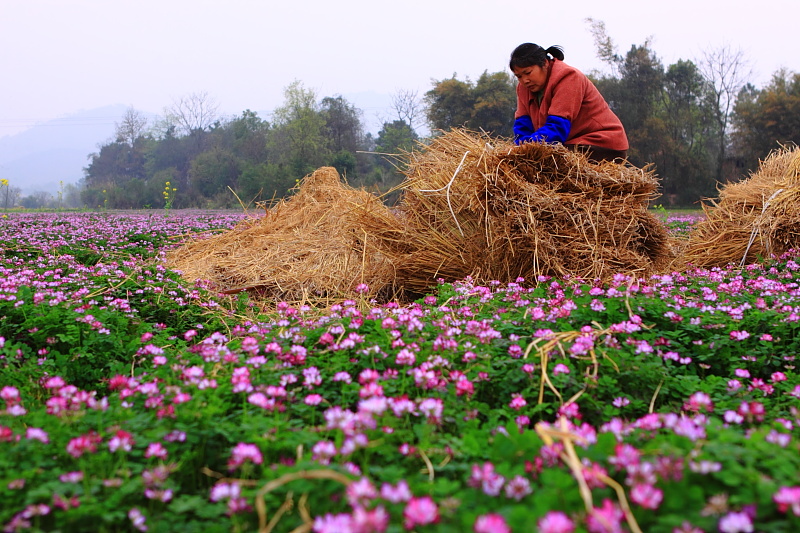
(446, 188)
(757, 226)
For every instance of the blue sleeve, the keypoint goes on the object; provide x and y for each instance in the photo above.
(523, 128)
(555, 129)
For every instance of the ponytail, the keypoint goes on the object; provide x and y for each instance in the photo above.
(529, 54)
(556, 52)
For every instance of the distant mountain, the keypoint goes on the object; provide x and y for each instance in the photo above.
(38, 158)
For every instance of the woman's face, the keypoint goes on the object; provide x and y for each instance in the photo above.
(533, 77)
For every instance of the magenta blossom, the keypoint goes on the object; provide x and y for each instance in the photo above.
(491, 523)
(420, 512)
(555, 522)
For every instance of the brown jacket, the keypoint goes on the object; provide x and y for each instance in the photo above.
(569, 94)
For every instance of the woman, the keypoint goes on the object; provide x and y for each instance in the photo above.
(558, 103)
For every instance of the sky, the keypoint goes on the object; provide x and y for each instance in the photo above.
(59, 57)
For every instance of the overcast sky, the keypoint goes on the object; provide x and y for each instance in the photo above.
(58, 57)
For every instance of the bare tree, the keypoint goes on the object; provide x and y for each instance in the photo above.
(132, 126)
(606, 49)
(407, 106)
(726, 71)
(196, 111)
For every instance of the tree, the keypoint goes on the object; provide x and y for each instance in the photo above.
(193, 112)
(212, 172)
(343, 125)
(408, 107)
(686, 161)
(604, 46)
(132, 126)
(495, 103)
(449, 104)
(765, 119)
(117, 163)
(726, 71)
(247, 136)
(488, 104)
(298, 138)
(394, 139)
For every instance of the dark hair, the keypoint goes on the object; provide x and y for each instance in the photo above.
(529, 55)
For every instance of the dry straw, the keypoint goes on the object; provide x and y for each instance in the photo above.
(752, 219)
(470, 206)
(308, 247)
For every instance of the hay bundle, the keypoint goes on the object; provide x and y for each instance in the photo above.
(310, 246)
(471, 206)
(476, 207)
(755, 218)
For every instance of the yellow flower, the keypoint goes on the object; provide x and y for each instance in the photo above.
(3, 181)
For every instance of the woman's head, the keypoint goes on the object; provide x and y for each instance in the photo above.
(529, 64)
(530, 55)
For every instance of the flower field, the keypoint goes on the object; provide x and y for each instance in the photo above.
(133, 400)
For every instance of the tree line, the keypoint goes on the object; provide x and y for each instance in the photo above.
(700, 123)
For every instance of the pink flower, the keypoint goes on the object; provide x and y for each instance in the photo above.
(374, 521)
(517, 401)
(313, 399)
(518, 487)
(242, 453)
(737, 522)
(361, 492)
(71, 477)
(432, 409)
(647, 496)
(420, 511)
(620, 401)
(340, 523)
(224, 491)
(56, 382)
(561, 368)
(605, 519)
(157, 450)
(556, 522)
(699, 401)
(85, 443)
(10, 394)
(739, 335)
(121, 440)
(323, 451)
(396, 494)
(491, 523)
(137, 519)
(625, 455)
(362, 288)
(37, 434)
(778, 376)
(788, 498)
(464, 386)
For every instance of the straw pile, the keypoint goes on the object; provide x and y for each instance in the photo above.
(471, 206)
(308, 247)
(752, 219)
(495, 211)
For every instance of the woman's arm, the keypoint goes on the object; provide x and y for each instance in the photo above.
(555, 130)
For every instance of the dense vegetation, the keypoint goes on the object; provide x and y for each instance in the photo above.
(134, 400)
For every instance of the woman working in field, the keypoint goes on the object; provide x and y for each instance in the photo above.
(557, 103)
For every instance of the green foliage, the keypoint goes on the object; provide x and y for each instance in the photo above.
(768, 118)
(155, 415)
(488, 104)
